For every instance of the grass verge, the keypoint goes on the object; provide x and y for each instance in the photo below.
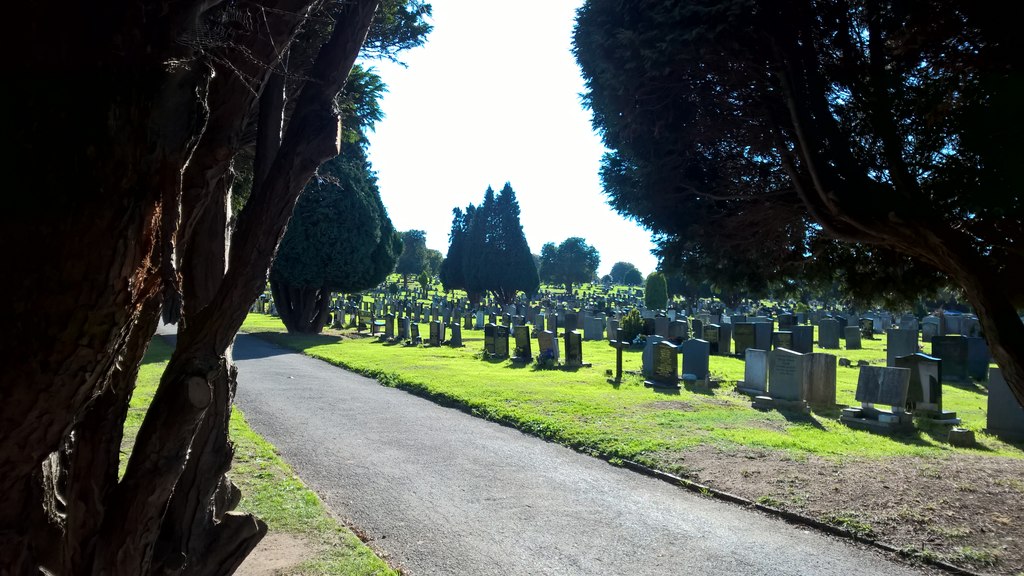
(270, 488)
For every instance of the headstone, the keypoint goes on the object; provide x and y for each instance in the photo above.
(479, 320)
(1005, 415)
(661, 326)
(664, 366)
(977, 357)
(743, 335)
(467, 321)
(414, 333)
(695, 358)
(571, 318)
(786, 322)
(853, 335)
(954, 324)
(786, 375)
(712, 336)
(930, 328)
(389, 327)
(698, 328)
(755, 373)
(404, 328)
(593, 328)
(436, 333)
(763, 334)
(952, 350)
(553, 324)
(924, 393)
(573, 348)
(489, 339)
(803, 338)
(547, 344)
(724, 338)
(878, 385)
(647, 356)
(867, 329)
(455, 341)
(899, 343)
(820, 379)
(828, 333)
(523, 351)
(972, 328)
(909, 322)
(501, 341)
(613, 325)
(782, 340)
(677, 331)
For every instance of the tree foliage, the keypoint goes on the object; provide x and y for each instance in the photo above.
(414, 254)
(656, 291)
(752, 137)
(619, 271)
(488, 250)
(571, 262)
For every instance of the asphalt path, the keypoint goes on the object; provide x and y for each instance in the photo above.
(441, 492)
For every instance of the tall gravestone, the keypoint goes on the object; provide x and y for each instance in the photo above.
(489, 339)
(664, 366)
(899, 343)
(743, 335)
(803, 339)
(593, 328)
(1005, 415)
(647, 356)
(661, 326)
(414, 334)
(924, 393)
(763, 330)
(931, 327)
(436, 332)
(952, 350)
(786, 322)
(553, 323)
(698, 329)
(712, 335)
(755, 373)
(479, 324)
(571, 319)
(867, 328)
(501, 341)
(828, 333)
(613, 325)
(573, 348)
(677, 331)
(977, 357)
(547, 344)
(820, 379)
(853, 335)
(389, 327)
(523, 350)
(455, 341)
(786, 382)
(696, 355)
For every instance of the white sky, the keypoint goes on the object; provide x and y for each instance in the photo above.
(493, 97)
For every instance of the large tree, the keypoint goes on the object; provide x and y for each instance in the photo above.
(571, 262)
(140, 210)
(770, 129)
(413, 260)
(619, 271)
(496, 257)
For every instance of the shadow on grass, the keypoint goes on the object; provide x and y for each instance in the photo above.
(969, 386)
(666, 391)
(703, 390)
(801, 418)
(280, 344)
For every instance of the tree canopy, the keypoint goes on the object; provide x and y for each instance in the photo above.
(656, 291)
(759, 139)
(620, 271)
(488, 251)
(413, 259)
(571, 262)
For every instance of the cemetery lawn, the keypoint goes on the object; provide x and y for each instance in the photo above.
(302, 537)
(915, 492)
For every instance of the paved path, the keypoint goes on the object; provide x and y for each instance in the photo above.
(441, 492)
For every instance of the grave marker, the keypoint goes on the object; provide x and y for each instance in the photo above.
(853, 335)
(664, 366)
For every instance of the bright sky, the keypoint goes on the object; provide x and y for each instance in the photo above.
(493, 97)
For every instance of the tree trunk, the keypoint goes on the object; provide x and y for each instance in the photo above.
(302, 310)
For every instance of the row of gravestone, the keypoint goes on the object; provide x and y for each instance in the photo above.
(497, 341)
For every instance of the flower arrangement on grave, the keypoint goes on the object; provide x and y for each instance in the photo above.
(547, 359)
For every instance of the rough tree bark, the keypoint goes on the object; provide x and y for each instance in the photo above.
(92, 262)
(302, 310)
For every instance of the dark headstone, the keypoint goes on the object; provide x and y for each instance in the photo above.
(1005, 415)
(436, 333)
(786, 322)
(698, 328)
(820, 380)
(489, 338)
(952, 350)
(878, 385)
(501, 341)
(828, 333)
(573, 348)
(803, 339)
(743, 335)
(867, 329)
(977, 357)
(899, 343)
(712, 336)
(924, 393)
(853, 335)
(782, 340)
(664, 366)
(523, 351)
(695, 358)
(455, 341)
(414, 333)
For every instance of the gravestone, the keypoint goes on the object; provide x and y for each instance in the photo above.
(755, 373)
(467, 321)
(828, 333)
(954, 324)
(523, 350)
(724, 338)
(743, 335)
(853, 335)
(1005, 415)
(786, 382)
(414, 334)
(613, 325)
(924, 393)
(977, 357)
(867, 328)
(782, 340)
(479, 320)
(661, 326)
(647, 356)
(899, 343)
(696, 355)
(501, 341)
(547, 344)
(972, 328)
(878, 385)
(763, 330)
(389, 327)
(803, 339)
(820, 379)
(698, 328)
(786, 322)
(553, 324)
(593, 328)
(909, 322)
(677, 331)
(930, 328)
(952, 350)
(456, 339)
(712, 336)
(436, 333)
(664, 366)
(570, 321)
(489, 339)
(404, 328)
(573, 348)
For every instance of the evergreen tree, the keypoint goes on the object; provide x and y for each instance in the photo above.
(453, 275)
(656, 291)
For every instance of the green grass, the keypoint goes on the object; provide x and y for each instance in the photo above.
(270, 488)
(584, 409)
